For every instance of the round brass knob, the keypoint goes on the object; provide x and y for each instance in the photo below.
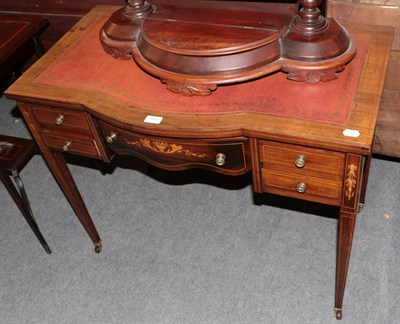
(59, 119)
(300, 161)
(66, 146)
(110, 138)
(301, 187)
(220, 159)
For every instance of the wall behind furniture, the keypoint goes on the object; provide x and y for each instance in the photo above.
(383, 13)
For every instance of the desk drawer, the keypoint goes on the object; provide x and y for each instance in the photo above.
(302, 172)
(295, 158)
(228, 156)
(82, 146)
(61, 119)
(306, 187)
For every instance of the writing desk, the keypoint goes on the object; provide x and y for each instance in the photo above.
(311, 142)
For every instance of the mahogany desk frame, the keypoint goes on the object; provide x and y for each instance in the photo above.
(89, 120)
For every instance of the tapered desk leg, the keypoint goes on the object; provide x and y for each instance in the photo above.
(58, 166)
(63, 175)
(347, 220)
(345, 238)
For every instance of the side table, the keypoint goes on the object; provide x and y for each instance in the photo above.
(19, 41)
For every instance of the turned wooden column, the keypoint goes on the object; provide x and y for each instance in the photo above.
(309, 20)
(137, 9)
(118, 34)
(314, 38)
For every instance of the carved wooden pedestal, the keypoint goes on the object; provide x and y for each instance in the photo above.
(194, 46)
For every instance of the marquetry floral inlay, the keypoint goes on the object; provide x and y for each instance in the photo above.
(351, 181)
(163, 147)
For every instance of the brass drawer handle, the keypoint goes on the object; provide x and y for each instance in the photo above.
(220, 159)
(110, 138)
(66, 146)
(301, 187)
(300, 161)
(59, 119)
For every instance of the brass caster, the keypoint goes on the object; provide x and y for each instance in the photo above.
(97, 247)
(360, 207)
(47, 249)
(338, 313)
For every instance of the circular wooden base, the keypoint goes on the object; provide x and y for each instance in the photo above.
(194, 47)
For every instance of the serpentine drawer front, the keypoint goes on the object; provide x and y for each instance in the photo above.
(66, 130)
(228, 156)
(302, 172)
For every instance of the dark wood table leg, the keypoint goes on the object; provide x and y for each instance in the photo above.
(64, 177)
(347, 221)
(25, 209)
(21, 189)
(38, 46)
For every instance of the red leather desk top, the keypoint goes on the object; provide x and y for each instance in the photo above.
(85, 66)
